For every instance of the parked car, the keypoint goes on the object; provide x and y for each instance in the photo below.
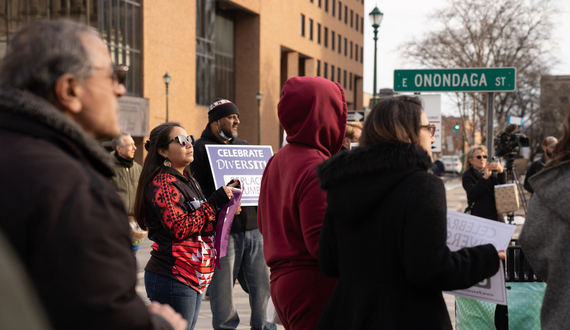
(452, 163)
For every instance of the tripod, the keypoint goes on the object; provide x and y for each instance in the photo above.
(513, 177)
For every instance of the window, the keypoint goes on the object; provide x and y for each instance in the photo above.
(325, 70)
(326, 6)
(326, 37)
(356, 22)
(362, 25)
(205, 57)
(344, 80)
(310, 29)
(350, 82)
(332, 40)
(351, 50)
(338, 76)
(333, 7)
(319, 3)
(339, 10)
(361, 55)
(318, 68)
(345, 48)
(319, 33)
(351, 16)
(356, 52)
(302, 26)
(345, 15)
(332, 72)
(339, 43)
(224, 54)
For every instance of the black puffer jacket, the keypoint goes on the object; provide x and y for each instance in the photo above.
(385, 228)
(64, 219)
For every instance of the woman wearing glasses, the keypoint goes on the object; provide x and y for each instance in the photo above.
(479, 181)
(385, 228)
(180, 221)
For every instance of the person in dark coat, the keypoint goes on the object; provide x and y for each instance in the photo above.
(479, 181)
(548, 145)
(385, 229)
(68, 226)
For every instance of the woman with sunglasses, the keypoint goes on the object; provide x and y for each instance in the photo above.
(385, 228)
(180, 221)
(479, 181)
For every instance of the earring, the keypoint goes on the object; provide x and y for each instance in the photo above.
(167, 163)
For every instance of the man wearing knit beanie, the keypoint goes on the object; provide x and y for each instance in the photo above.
(244, 260)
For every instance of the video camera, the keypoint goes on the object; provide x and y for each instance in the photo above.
(510, 141)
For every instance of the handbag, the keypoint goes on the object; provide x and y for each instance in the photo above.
(507, 198)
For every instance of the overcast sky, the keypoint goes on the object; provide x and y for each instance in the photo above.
(407, 19)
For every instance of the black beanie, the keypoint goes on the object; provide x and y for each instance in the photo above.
(221, 108)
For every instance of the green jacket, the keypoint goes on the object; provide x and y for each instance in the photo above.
(125, 182)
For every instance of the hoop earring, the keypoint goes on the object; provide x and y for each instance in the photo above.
(167, 163)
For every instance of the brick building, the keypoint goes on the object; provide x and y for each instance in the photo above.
(226, 48)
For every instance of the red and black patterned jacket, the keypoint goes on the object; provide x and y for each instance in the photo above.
(182, 225)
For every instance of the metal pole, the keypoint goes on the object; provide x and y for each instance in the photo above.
(490, 116)
(375, 91)
(167, 103)
(258, 121)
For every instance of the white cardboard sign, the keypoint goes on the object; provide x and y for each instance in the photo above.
(464, 230)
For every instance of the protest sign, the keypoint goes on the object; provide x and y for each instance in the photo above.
(243, 162)
(464, 230)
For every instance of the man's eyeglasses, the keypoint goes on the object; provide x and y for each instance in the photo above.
(119, 73)
(479, 157)
(183, 140)
(430, 128)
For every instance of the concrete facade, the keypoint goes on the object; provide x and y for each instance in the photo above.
(269, 49)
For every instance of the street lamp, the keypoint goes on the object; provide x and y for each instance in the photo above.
(375, 19)
(166, 79)
(258, 97)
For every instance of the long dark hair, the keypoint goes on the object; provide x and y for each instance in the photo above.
(393, 119)
(153, 163)
(562, 150)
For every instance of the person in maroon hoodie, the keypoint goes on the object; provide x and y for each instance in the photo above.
(292, 206)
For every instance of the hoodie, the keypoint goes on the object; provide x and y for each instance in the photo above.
(291, 205)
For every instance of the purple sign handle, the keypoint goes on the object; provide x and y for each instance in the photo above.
(224, 224)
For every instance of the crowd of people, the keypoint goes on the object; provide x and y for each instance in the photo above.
(342, 237)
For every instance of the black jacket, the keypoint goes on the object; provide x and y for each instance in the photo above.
(385, 230)
(481, 193)
(535, 167)
(247, 219)
(66, 222)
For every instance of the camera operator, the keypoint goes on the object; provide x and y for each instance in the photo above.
(479, 182)
(548, 145)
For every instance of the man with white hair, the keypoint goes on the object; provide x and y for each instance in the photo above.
(127, 171)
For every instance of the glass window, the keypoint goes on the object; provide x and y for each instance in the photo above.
(326, 37)
(344, 80)
(356, 22)
(332, 40)
(224, 53)
(318, 68)
(332, 72)
(327, 6)
(351, 18)
(333, 7)
(339, 43)
(325, 70)
(310, 29)
(319, 3)
(350, 81)
(205, 69)
(338, 76)
(302, 25)
(319, 33)
(345, 48)
(356, 52)
(351, 50)
(345, 15)
(339, 10)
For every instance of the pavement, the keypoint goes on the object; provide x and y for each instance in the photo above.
(456, 201)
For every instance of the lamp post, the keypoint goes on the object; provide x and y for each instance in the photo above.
(375, 18)
(166, 79)
(258, 97)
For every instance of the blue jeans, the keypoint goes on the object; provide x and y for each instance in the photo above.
(180, 297)
(244, 261)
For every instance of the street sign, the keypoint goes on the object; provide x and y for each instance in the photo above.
(455, 80)
(432, 108)
(356, 115)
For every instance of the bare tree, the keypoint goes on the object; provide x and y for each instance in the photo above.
(491, 34)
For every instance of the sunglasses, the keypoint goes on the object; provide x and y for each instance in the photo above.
(183, 140)
(430, 128)
(119, 73)
(479, 157)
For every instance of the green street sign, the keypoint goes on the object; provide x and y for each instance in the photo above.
(455, 80)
